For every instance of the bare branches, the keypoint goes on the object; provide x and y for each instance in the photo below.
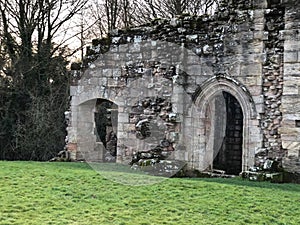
(8, 40)
(36, 21)
(171, 8)
(107, 15)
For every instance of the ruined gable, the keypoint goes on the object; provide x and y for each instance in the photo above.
(192, 78)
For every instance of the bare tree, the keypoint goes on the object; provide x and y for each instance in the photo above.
(199, 7)
(175, 7)
(107, 13)
(36, 21)
(112, 14)
(148, 10)
(34, 82)
(112, 11)
(127, 12)
(171, 8)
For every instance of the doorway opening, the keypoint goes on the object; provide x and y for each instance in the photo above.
(229, 115)
(106, 124)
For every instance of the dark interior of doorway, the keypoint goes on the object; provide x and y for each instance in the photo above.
(106, 116)
(229, 156)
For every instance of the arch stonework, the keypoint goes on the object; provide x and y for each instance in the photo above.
(252, 137)
(81, 130)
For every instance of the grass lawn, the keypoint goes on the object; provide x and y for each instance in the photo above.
(73, 193)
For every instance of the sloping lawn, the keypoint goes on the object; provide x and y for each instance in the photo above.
(73, 193)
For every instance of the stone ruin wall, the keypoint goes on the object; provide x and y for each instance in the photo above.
(290, 107)
(251, 43)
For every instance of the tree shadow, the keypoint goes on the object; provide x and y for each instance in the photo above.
(237, 181)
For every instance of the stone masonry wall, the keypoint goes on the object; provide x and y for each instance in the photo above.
(243, 44)
(290, 129)
(273, 81)
(227, 45)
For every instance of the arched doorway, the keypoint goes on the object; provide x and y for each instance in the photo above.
(93, 121)
(106, 122)
(228, 155)
(215, 132)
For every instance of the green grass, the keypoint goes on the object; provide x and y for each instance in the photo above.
(73, 193)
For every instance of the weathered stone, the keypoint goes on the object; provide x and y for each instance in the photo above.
(249, 49)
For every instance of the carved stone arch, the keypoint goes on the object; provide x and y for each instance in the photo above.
(229, 84)
(89, 147)
(203, 99)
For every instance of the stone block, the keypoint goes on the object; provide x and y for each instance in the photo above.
(255, 90)
(92, 156)
(288, 123)
(85, 146)
(289, 131)
(72, 147)
(256, 48)
(291, 90)
(234, 69)
(200, 79)
(292, 69)
(73, 90)
(122, 135)
(255, 123)
(128, 127)
(250, 80)
(192, 59)
(251, 69)
(206, 70)
(102, 81)
(259, 30)
(290, 99)
(83, 137)
(291, 145)
(193, 69)
(292, 81)
(112, 82)
(107, 72)
(291, 116)
(123, 118)
(85, 127)
(290, 138)
(291, 57)
(116, 72)
(290, 108)
(292, 44)
(233, 47)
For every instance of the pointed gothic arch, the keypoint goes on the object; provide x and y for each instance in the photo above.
(205, 118)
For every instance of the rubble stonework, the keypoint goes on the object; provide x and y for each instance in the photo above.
(165, 78)
(272, 85)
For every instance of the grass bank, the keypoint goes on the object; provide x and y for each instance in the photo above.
(73, 193)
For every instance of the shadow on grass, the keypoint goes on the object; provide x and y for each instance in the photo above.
(123, 174)
(71, 165)
(116, 171)
(58, 165)
(237, 181)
